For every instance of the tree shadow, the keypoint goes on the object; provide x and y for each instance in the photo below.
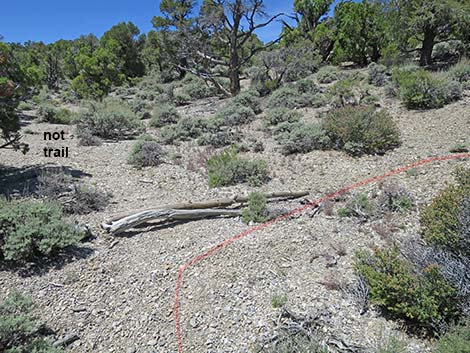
(23, 182)
(41, 266)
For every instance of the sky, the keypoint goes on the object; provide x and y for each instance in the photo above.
(51, 20)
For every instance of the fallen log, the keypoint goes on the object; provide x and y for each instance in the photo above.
(187, 211)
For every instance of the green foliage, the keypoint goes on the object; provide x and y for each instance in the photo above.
(424, 299)
(189, 128)
(228, 169)
(234, 114)
(31, 229)
(51, 114)
(257, 210)
(280, 115)
(328, 74)
(455, 341)
(460, 72)
(221, 138)
(442, 220)
(25, 105)
(392, 345)
(301, 138)
(420, 89)
(350, 91)
(291, 96)
(20, 332)
(109, 120)
(248, 99)
(278, 301)
(146, 152)
(196, 88)
(378, 75)
(164, 114)
(361, 130)
(358, 206)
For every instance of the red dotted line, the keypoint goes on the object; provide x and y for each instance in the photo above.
(231, 240)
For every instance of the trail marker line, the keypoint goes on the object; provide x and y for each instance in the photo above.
(317, 202)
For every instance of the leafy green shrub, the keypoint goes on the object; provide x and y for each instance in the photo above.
(279, 115)
(48, 113)
(378, 74)
(25, 105)
(164, 114)
(278, 301)
(188, 128)
(361, 130)
(328, 74)
(221, 138)
(234, 114)
(30, 229)
(146, 152)
(395, 199)
(228, 169)
(460, 72)
(358, 206)
(257, 210)
(302, 138)
(249, 99)
(287, 97)
(445, 221)
(455, 341)
(141, 107)
(20, 332)
(109, 120)
(198, 90)
(422, 90)
(424, 300)
(349, 91)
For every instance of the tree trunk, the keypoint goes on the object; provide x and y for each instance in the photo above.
(234, 67)
(427, 47)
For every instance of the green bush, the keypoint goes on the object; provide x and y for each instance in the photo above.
(234, 114)
(141, 107)
(456, 340)
(460, 72)
(257, 210)
(25, 105)
(279, 115)
(302, 138)
(328, 74)
(358, 206)
(378, 75)
(109, 120)
(164, 114)
(51, 114)
(445, 221)
(31, 229)
(350, 91)
(420, 89)
(198, 90)
(189, 128)
(361, 130)
(228, 169)
(20, 332)
(287, 97)
(86, 138)
(424, 300)
(146, 152)
(278, 301)
(249, 99)
(221, 138)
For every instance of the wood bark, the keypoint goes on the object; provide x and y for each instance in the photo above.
(188, 211)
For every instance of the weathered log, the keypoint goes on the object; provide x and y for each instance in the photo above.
(187, 211)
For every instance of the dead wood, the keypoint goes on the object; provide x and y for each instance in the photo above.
(188, 211)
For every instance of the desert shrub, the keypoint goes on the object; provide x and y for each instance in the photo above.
(221, 138)
(188, 128)
(141, 107)
(361, 130)
(249, 99)
(20, 332)
(181, 99)
(328, 74)
(31, 229)
(455, 341)
(287, 97)
(164, 114)
(234, 114)
(250, 145)
(228, 168)
(279, 115)
(198, 89)
(302, 138)
(359, 206)
(51, 114)
(424, 300)
(378, 75)
(460, 72)
(420, 89)
(294, 343)
(85, 200)
(395, 199)
(146, 152)
(391, 345)
(448, 51)
(109, 120)
(257, 210)
(86, 138)
(445, 222)
(25, 105)
(349, 91)
(278, 300)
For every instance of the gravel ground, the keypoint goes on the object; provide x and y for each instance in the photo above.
(117, 294)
